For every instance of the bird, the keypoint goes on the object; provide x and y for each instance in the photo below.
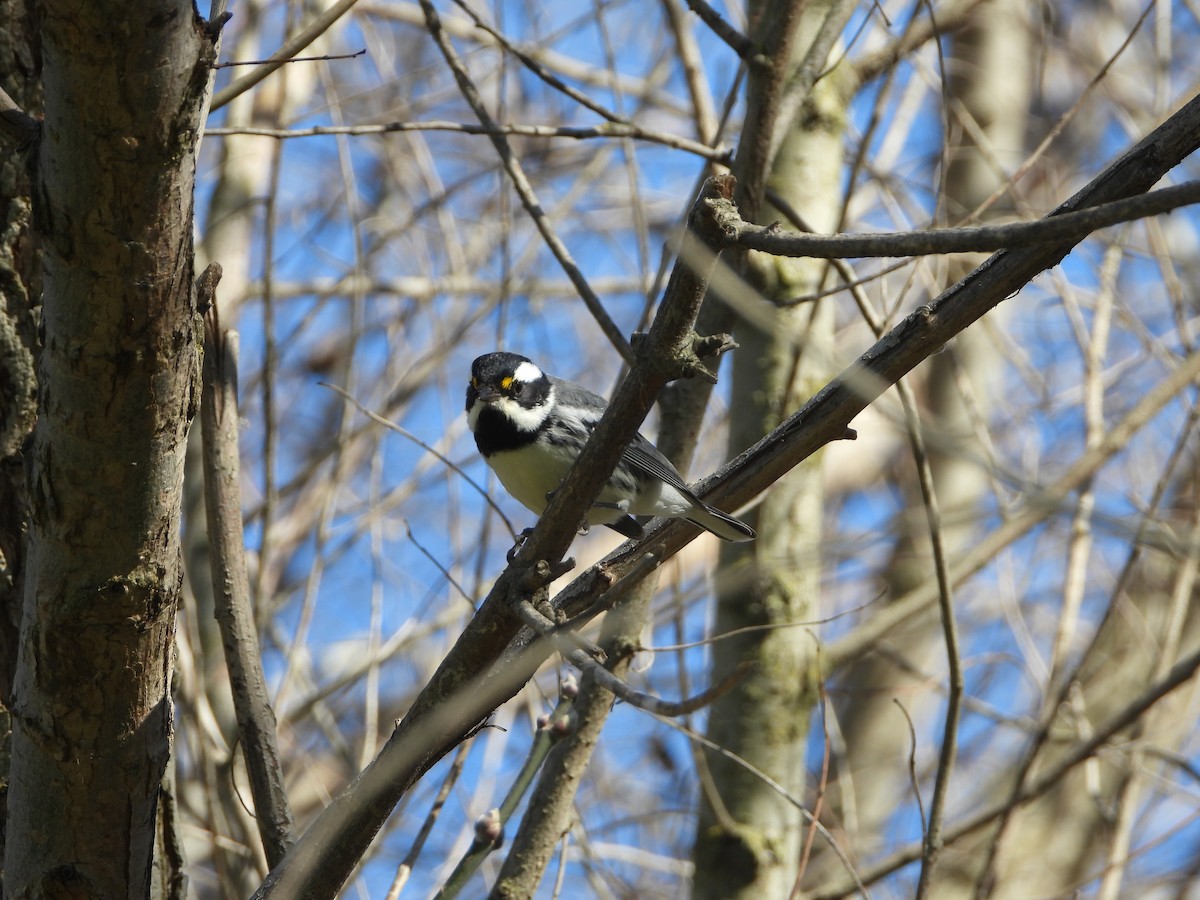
(530, 427)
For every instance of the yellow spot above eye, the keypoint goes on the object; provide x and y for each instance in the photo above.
(506, 382)
(474, 382)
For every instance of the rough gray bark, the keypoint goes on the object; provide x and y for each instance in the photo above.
(20, 291)
(113, 209)
(234, 607)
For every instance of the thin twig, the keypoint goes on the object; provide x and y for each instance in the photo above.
(440, 457)
(782, 792)
(949, 748)
(328, 57)
(541, 71)
(1094, 348)
(605, 131)
(692, 63)
(810, 833)
(913, 780)
(317, 27)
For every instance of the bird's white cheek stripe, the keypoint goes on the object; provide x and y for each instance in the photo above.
(525, 419)
(473, 415)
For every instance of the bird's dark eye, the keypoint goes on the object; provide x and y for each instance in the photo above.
(517, 388)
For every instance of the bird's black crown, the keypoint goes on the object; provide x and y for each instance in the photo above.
(509, 375)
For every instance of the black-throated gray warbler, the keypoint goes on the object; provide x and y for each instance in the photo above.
(530, 427)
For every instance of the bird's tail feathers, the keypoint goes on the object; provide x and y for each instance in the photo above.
(723, 525)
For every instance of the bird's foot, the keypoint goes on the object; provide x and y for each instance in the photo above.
(516, 548)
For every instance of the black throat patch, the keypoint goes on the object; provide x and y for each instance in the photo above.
(497, 433)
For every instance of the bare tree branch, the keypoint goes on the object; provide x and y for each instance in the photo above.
(1067, 223)
(234, 609)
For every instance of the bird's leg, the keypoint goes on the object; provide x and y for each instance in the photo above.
(583, 526)
(621, 506)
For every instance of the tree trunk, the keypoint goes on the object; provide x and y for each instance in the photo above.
(118, 390)
(749, 838)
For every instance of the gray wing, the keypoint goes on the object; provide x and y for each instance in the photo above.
(641, 455)
(573, 395)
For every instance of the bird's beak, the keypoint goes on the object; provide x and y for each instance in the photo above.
(487, 394)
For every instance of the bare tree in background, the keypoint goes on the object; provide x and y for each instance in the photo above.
(986, 142)
(971, 627)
